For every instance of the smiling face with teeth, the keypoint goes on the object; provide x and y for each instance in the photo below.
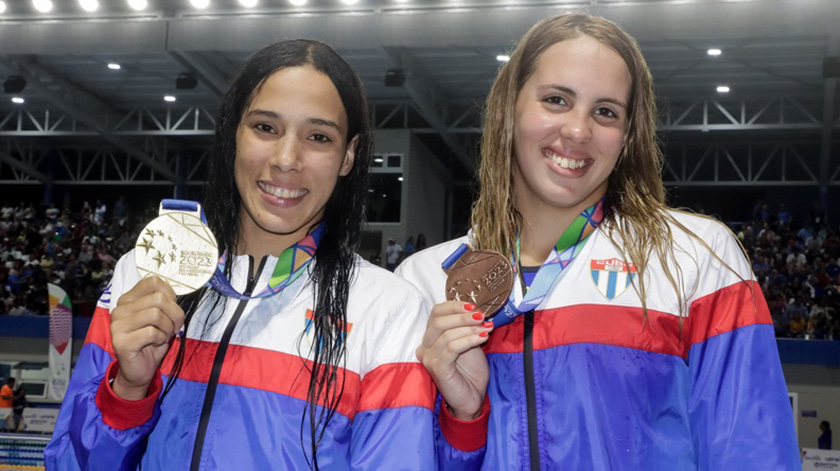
(291, 148)
(570, 122)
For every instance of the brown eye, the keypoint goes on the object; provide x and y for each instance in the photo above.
(555, 100)
(320, 138)
(262, 127)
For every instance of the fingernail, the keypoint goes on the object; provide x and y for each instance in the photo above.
(483, 334)
(487, 325)
(478, 316)
(469, 307)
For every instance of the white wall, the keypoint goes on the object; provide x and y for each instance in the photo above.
(424, 189)
(427, 183)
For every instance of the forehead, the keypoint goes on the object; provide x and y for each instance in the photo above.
(584, 61)
(300, 91)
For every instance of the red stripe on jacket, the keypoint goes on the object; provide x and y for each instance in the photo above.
(723, 311)
(99, 332)
(388, 386)
(738, 305)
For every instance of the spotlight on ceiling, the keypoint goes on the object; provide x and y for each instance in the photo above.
(44, 6)
(503, 58)
(185, 81)
(722, 89)
(138, 4)
(714, 52)
(114, 66)
(394, 78)
(14, 84)
(169, 98)
(17, 100)
(298, 3)
(349, 2)
(248, 3)
(2, 7)
(89, 5)
(200, 4)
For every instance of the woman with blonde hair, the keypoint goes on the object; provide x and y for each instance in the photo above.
(635, 337)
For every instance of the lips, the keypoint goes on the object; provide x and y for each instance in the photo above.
(282, 192)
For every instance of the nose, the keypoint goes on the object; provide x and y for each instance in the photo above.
(286, 156)
(577, 127)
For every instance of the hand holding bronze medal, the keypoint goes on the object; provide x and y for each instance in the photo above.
(178, 247)
(483, 278)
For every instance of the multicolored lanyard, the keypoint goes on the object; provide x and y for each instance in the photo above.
(290, 265)
(564, 252)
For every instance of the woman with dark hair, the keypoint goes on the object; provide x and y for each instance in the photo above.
(636, 337)
(316, 371)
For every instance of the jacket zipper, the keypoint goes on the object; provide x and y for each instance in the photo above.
(218, 360)
(530, 391)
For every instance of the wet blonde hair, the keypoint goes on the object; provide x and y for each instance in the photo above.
(634, 190)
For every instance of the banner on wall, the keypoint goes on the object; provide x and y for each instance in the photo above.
(820, 460)
(61, 341)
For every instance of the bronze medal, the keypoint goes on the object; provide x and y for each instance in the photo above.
(480, 277)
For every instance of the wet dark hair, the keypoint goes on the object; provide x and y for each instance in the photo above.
(333, 267)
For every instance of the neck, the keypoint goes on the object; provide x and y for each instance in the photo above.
(258, 243)
(539, 234)
(543, 224)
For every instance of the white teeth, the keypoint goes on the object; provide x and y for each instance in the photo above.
(281, 192)
(567, 163)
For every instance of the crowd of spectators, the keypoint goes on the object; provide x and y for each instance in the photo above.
(75, 248)
(797, 266)
(797, 263)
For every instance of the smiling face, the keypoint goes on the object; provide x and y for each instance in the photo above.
(570, 122)
(291, 148)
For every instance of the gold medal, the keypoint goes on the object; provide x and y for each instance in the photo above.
(179, 248)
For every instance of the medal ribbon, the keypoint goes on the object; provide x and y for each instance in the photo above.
(291, 263)
(562, 255)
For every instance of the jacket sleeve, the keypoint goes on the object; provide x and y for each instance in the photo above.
(96, 430)
(460, 445)
(739, 411)
(394, 427)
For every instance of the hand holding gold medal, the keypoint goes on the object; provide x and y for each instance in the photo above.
(175, 254)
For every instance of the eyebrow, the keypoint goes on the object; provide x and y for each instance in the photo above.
(315, 121)
(572, 93)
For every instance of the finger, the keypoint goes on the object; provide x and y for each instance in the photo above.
(452, 343)
(441, 324)
(153, 300)
(147, 317)
(136, 340)
(451, 307)
(145, 287)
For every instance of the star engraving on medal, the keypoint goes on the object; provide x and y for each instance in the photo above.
(160, 233)
(147, 244)
(161, 259)
(150, 232)
(171, 256)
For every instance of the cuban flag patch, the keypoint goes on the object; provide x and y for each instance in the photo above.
(612, 277)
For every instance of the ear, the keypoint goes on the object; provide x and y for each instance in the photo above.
(349, 157)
